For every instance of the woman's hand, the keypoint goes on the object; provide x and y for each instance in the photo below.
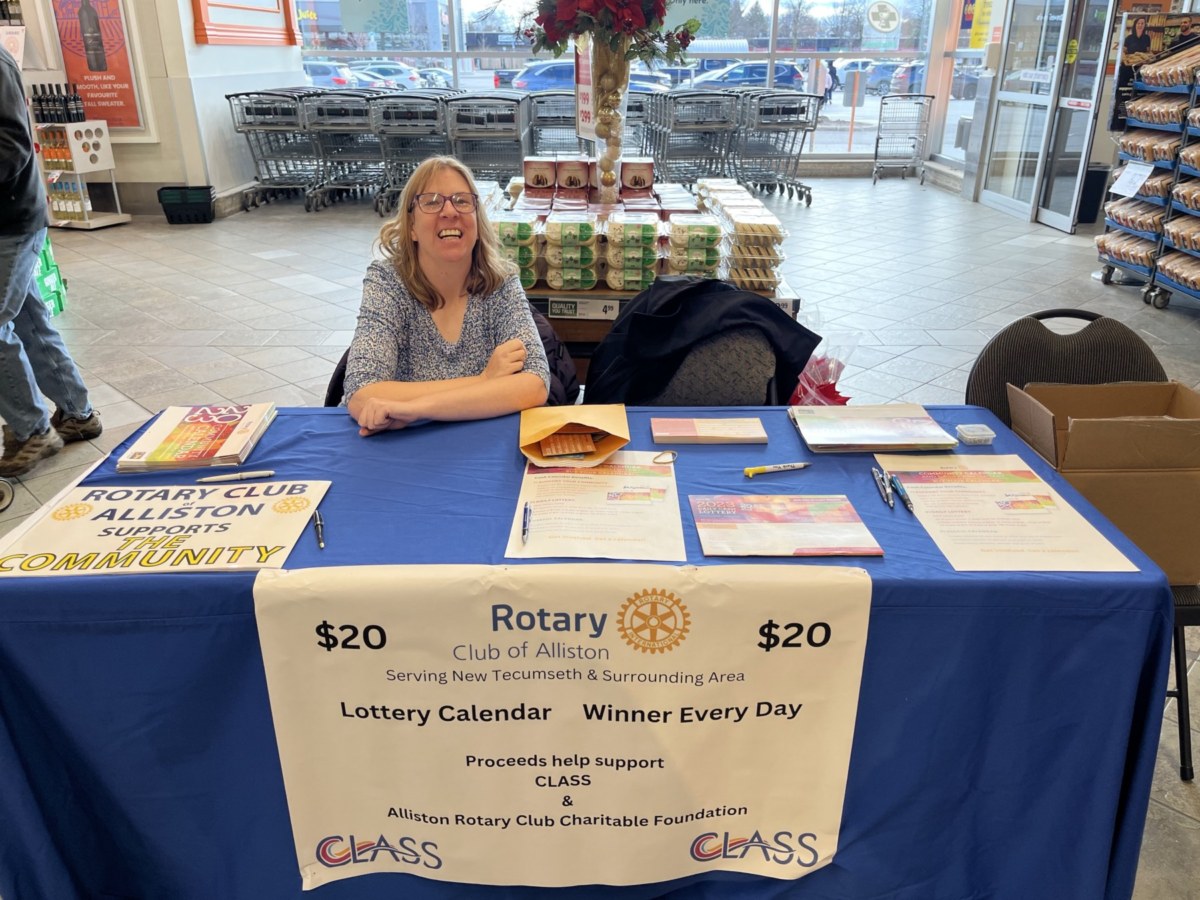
(507, 359)
(378, 415)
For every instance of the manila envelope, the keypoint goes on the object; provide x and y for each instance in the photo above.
(543, 421)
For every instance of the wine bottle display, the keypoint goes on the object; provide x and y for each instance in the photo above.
(93, 40)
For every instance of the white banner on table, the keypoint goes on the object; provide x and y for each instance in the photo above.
(165, 528)
(994, 514)
(563, 724)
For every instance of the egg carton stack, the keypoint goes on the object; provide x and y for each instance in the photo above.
(755, 236)
(572, 254)
(694, 245)
(519, 242)
(631, 250)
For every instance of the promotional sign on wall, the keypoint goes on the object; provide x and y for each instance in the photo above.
(95, 51)
(559, 725)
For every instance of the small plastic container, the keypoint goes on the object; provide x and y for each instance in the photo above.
(630, 279)
(515, 228)
(976, 435)
(762, 281)
(695, 231)
(566, 257)
(636, 257)
(633, 229)
(571, 229)
(570, 279)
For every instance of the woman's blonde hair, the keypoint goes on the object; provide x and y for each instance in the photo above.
(489, 268)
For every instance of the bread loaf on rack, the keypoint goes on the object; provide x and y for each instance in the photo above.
(1182, 269)
(1177, 69)
(1127, 248)
(1158, 109)
(1150, 146)
(1134, 213)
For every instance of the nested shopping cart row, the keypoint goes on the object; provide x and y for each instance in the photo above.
(330, 144)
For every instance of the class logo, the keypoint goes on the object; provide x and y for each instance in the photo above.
(782, 848)
(337, 850)
(653, 621)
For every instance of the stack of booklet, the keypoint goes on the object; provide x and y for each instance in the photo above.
(890, 426)
(188, 437)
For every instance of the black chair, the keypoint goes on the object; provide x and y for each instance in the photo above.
(734, 368)
(1104, 350)
(564, 380)
(688, 341)
(1187, 612)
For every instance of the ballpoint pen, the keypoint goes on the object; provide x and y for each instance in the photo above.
(881, 483)
(237, 476)
(887, 486)
(319, 528)
(751, 471)
(526, 519)
(902, 493)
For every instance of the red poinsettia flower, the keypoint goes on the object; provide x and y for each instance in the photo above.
(629, 19)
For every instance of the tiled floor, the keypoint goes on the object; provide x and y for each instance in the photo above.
(261, 305)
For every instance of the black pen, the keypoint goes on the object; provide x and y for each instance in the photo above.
(526, 519)
(881, 483)
(319, 528)
(903, 494)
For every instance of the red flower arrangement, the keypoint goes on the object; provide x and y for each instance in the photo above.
(636, 22)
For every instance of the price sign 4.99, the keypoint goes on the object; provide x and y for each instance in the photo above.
(795, 634)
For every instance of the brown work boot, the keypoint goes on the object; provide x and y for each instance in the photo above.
(72, 429)
(21, 456)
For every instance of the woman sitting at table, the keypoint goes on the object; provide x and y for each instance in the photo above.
(444, 331)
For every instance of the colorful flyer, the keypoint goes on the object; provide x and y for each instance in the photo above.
(95, 49)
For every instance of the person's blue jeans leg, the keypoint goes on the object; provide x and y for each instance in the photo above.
(33, 358)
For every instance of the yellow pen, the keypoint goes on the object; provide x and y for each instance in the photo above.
(751, 471)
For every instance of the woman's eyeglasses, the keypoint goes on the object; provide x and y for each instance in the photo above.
(432, 203)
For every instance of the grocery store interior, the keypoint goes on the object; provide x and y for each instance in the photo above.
(911, 272)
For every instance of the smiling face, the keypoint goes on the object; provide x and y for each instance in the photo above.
(448, 236)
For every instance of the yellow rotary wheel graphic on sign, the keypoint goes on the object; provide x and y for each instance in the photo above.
(653, 621)
(71, 511)
(291, 505)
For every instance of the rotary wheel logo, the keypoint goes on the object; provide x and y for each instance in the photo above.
(71, 511)
(291, 505)
(653, 621)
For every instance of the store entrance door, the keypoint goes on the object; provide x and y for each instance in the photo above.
(1021, 111)
(1074, 115)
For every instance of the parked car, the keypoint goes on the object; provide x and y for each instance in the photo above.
(752, 74)
(908, 78)
(687, 74)
(404, 75)
(879, 77)
(366, 79)
(504, 77)
(559, 75)
(328, 74)
(440, 78)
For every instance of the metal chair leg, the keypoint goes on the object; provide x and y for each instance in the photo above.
(1183, 712)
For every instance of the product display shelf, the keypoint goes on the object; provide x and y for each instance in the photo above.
(1154, 292)
(68, 151)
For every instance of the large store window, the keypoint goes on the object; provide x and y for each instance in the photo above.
(476, 45)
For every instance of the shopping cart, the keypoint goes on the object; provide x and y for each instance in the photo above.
(285, 154)
(553, 123)
(690, 133)
(766, 148)
(903, 129)
(490, 132)
(350, 154)
(411, 127)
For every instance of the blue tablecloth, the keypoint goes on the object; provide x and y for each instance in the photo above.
(1005, 742)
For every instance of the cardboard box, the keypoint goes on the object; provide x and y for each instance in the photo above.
(1133, 449)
